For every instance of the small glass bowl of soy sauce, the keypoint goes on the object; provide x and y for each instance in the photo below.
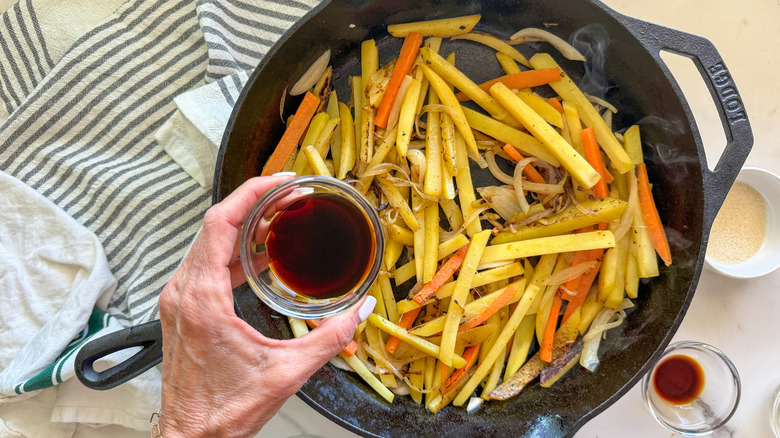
(312, 247)
(693, 389)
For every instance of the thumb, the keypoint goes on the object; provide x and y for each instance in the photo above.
(334, 334)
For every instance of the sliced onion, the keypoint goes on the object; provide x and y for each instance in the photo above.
(395, 110)
(312, 74)
(492, 265)
(281, 104)
(602, 102)
(535, 217)
(341, 364)
(402, 388)
(531, 34)
(474, 404)
(569, 273)
(605, 320)
(438, 107)
(490, 157)
(444, 236)
(381, 360)
(518, 183)
(417, 158)
(502, 200)
(590, 358)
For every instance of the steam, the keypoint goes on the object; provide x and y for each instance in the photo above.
(592, 41)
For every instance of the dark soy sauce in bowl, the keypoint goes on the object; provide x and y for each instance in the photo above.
(320, 246)
(679, 379)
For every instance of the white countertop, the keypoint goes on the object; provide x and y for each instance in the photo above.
(736, 316)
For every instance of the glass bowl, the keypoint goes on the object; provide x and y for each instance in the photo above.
(774, 414)
(716, 401)
(310, 256)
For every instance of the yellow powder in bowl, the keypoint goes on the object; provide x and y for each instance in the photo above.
(740, 227)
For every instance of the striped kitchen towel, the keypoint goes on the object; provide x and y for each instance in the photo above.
(81, 128)
(100, 105)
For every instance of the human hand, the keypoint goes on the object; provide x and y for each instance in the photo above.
(220, 376)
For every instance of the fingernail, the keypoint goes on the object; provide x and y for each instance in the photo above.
(303, 191)
(284, 174)
(367, 308)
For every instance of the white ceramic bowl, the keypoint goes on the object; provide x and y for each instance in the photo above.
(767, 259)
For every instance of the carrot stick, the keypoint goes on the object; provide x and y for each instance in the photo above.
(470, 355)
(593, 155)
(406, 321)
(292, 134)
(494, 307)
(571, 285)
(441, 276)
(524, 79)
(585, 282)
(404, 64)
(349, 350)
(545, 352)
(555, 103)
(650, 215)
(528, 170)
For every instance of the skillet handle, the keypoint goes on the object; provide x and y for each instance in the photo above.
(148, 336)
(739, 136)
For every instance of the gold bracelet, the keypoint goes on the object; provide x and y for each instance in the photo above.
(155, 422)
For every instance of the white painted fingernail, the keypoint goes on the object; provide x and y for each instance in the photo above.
(303, 191)
(367, 308)
(284, 174)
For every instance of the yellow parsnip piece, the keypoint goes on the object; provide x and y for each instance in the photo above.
(548, 245)
(486, 365)
(415, 341)
(452, 75)
(568, 90)
(406, 117)
(567, 220)
(566, 155)
(447, 97)
(445, 27)
(458, 300)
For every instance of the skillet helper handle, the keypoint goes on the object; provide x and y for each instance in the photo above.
(733, 116)
(148, 336)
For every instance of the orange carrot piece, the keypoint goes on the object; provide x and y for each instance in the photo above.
(292, 134)
(593, 155)
(494, 307)
(651, 216)
(585, 282)
(545, 352)
(402, 67)
(528, 170)
(523, 79)
(349, 350)
(470, 355)
(555, 103)
(571, 285)
(441, 276)
(406, 321)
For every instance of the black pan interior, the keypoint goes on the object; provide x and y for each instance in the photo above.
(623, 72)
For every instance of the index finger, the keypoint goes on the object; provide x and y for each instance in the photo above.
(223, 221)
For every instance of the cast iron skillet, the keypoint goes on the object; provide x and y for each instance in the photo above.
(637, 82)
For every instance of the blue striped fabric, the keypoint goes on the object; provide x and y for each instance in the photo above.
(81, 128)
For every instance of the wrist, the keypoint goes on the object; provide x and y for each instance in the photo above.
(161, 427)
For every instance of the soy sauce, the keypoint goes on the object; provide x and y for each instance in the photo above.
(679, 379)
(320, 246)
